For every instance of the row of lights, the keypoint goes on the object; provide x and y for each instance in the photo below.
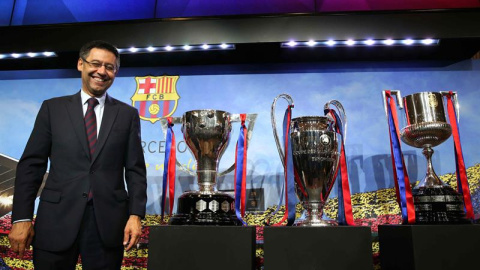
(27, 55)
(170, 48)
(225, 46)
(362, 42)
(151, 49)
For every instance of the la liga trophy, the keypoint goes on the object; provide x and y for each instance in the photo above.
(316, 153)
(207, 134)
(435, 202)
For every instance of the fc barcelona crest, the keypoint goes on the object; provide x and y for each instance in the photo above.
(155, 97)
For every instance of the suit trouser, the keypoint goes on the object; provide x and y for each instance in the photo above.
(94, 255)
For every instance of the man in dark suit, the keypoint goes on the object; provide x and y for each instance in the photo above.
(84, 208)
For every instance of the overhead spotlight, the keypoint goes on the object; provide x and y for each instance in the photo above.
(223, 46)
(2, 56)
(331, 42)
(205, 46)
(350, 42)
(168, 48)
(292, 43)
(311, 43)
(408, 41)
(31, 54)
(187, 47)
(151, 49)
(133, 49)
(48, 54)
(15, 55)
(428, 41)
(369, 42)
(388, 42)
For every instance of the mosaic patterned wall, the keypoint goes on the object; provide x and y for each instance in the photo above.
(369, 209)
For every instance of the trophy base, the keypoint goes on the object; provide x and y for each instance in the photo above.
(438, 205)
(312, 216)
(214, 209)
(315, 223)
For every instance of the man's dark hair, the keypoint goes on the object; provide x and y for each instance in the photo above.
(99, 44)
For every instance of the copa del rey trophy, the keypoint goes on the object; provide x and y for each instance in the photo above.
(435, 202)
(207, 134)
(316, 154)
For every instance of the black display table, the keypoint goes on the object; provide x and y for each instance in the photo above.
(339, 248)
(201, 248)
(439, 247)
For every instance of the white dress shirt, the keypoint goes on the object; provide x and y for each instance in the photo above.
(98, 109)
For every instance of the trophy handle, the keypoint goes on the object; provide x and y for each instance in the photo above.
(274, 125)
(399, 100)
(455, 101)
(251, 117)
(164, 124)
(342, 115)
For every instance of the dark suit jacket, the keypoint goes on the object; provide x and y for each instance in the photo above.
(59, 135)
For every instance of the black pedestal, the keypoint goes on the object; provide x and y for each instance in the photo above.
(201, 248)
(195, 208)
(316, 248)
(418, 247)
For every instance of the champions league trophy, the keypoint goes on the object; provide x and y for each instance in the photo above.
(426, 127)
(316, 157)
(206, 133)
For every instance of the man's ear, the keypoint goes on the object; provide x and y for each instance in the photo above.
(80, 64)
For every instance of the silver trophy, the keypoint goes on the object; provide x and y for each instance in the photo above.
(427, 127)
(316, 156)
(207, 134)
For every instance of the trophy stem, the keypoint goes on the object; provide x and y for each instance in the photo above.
(313, 216)
(431, 179)
(207, 180)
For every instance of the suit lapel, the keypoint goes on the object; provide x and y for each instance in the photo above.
(75, 112)
(109, 114)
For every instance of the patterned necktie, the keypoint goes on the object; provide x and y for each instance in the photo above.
(91, 125)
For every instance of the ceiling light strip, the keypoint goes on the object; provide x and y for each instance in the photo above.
(361, 43)
(27, 55)
(177, 48)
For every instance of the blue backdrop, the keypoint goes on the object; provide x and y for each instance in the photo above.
(367, 144)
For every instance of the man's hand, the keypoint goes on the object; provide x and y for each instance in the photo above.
(21, 237)
(132, 233)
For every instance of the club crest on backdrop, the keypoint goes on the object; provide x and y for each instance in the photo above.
(155, 97)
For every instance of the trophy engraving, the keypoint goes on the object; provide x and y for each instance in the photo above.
(225, 206)
(432, 100)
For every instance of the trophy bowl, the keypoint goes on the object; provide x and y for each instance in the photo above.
(426, 127)
(426, 122)
(423, 134)
(315, 158)
(206, 133)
